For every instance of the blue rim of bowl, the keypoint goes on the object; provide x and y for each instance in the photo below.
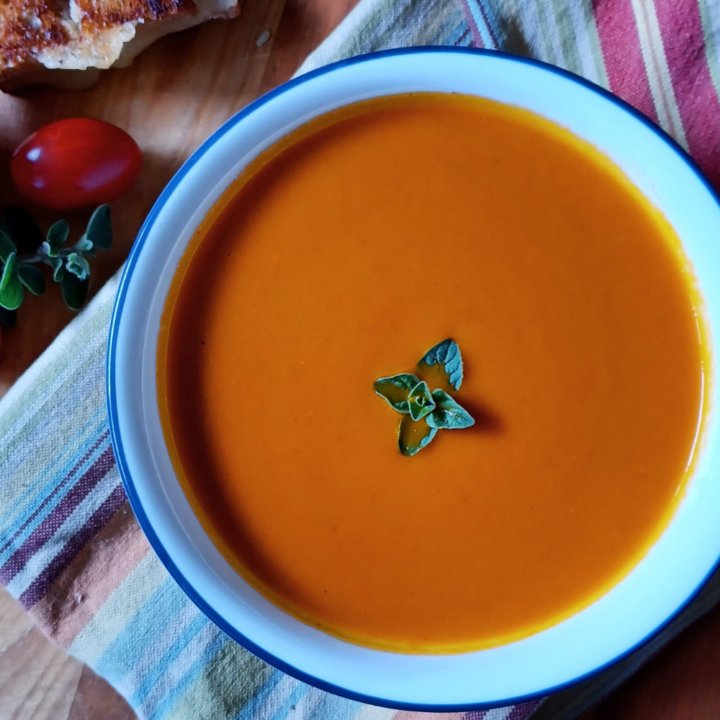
(142, 518)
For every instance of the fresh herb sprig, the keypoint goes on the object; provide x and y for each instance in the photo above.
(426, 412)
(23, 248)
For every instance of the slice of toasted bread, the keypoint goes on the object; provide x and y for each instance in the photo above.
(67, 42)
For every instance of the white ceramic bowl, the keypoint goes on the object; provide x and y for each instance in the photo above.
(649, 597)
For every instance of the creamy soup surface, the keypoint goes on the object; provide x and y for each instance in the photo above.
(342, 255)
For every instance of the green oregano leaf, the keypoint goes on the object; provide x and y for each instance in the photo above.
(448, 414)
(21, 228)
(447, 354)
(420, 401)
(99, 228)
(11, 296)
(426, 412)
(78, 266)
(83, 246)
(414, 435)
(7, 270)
(7, 246)
(57, 264)
(32, 278)
(74, 290)
(22, 247)
(11, 289)
(57, 235)
(395, 390)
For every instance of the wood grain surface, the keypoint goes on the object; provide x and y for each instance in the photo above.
(170, 100)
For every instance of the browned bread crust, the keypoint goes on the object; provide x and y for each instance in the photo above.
(77, 35)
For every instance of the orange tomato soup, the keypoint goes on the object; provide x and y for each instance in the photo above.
(342, 255)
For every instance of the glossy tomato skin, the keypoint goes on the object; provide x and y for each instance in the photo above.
(76, 163)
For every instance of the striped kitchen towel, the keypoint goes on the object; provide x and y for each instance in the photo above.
(70, 548)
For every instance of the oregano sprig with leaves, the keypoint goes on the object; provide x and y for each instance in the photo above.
(23, 248)
(426, 412)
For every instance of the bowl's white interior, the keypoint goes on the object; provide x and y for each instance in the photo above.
(652, 593)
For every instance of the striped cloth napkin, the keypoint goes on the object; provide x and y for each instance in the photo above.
(70, 548)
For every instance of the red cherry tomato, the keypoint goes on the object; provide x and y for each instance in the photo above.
(76, 163)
